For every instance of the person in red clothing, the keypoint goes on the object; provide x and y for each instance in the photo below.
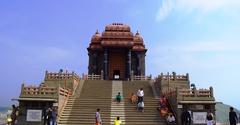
(163, 102)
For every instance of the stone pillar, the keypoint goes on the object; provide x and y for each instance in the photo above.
(143, 64)
(132, 75)
(105, 61)
(211, 91)
(102, 75)
(161, 77)
(177, 92)
(195, 92)
(139, 64)
(187, 76)
(22, 88)
(174, 75)
(129, 64)
(95, 63)
(90, 63)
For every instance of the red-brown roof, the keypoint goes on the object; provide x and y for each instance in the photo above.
(117, 35)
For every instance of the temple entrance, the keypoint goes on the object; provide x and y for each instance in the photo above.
(116, 74)
(117, 64)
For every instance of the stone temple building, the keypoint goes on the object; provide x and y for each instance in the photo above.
(117, 52)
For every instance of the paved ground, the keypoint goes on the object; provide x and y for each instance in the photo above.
(225, 124)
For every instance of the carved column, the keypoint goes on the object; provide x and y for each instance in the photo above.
(90, 63)
(95, 63)
(139, 64)
(105, 61)
(129, 64)
(143, 64)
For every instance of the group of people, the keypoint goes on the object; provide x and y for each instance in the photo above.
(50, 116)
(186, 117)
(98, 120)
(133, 98)
(118, 98)
(162, 108)
(164, 111)
(138, 99)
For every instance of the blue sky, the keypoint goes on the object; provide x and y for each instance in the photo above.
(186, 36)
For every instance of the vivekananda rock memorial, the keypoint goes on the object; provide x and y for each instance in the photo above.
(117, 52)
(116, 65)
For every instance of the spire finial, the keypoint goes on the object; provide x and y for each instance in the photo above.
(97, 32)
(137, 33)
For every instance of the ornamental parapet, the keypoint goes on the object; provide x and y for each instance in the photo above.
(141, 78)
(173, 77)
(43, 91)
(192, 94)
(61, 75)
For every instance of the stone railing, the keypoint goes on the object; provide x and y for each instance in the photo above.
(195, 92)
(64, 92)
(60, 94)
(41, 91)
(180, 98)
(141, 78)
(173, 77)
(62, 101)
(60, 75)
(191, 94)
(44, 91)
(93, 77)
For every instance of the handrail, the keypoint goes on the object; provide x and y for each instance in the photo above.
(141, 78)
(172, 109)
(64, 103)
(93, 77)
(171, 97)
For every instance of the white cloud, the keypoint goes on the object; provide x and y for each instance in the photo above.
(164, 10)
(54, 52)
(210, 63)
(206, 46)
(200, 46)
(188, 6)
(194, 56)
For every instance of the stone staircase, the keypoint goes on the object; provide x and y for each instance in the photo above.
(150, 116)
(80, 110)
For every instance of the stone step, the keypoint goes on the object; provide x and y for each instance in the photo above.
(80, 109)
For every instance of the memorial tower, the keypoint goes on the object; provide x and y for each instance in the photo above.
(116, 52)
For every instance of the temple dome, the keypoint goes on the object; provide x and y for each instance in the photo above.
(96, 37)
(137, 38)
(117, 27)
